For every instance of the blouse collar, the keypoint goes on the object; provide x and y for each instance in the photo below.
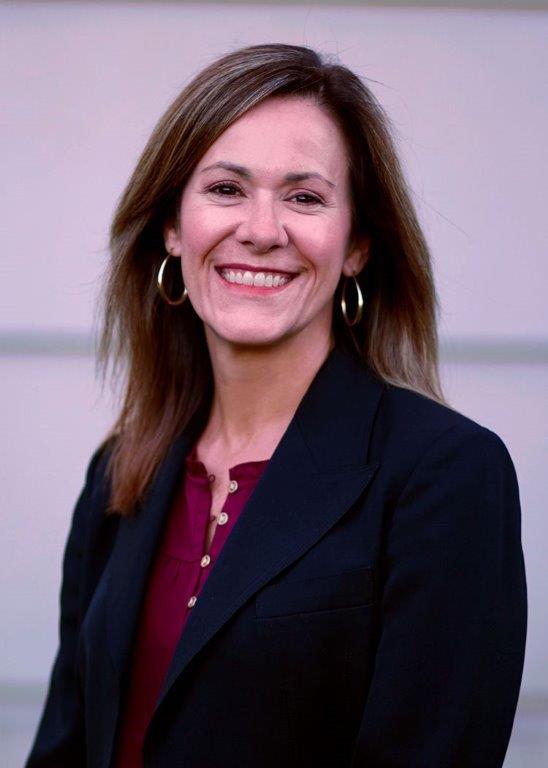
(245, 471)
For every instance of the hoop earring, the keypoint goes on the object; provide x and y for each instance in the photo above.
(359, 303)
(161, 289)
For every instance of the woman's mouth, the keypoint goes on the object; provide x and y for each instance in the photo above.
(259, 281)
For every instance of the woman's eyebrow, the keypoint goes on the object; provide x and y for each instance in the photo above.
(245, 173)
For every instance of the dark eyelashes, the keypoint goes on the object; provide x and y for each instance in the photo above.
(233, 188)
(218, 187)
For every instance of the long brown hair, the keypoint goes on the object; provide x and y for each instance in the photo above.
(157, 352)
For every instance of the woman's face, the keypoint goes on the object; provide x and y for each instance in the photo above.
(265, 223)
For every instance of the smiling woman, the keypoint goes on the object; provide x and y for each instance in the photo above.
(288, 526)
(268, 210)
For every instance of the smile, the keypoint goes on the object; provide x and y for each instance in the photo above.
(267, 281)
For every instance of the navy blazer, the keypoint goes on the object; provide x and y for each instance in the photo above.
(367, 611)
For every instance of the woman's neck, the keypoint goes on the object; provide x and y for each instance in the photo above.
(256, 393)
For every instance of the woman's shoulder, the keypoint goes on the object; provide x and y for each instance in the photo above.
(411, 427)
(97, 472)
(92, 505)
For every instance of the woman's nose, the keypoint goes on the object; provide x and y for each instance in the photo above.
(261, 226)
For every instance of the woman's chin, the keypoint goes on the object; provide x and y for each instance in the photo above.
(248, 337)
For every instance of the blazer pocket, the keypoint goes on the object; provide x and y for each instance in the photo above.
(320, 593)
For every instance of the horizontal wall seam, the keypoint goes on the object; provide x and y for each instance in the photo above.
(471, 5)
(18, 343)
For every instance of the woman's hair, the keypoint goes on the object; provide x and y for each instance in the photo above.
(158, 352)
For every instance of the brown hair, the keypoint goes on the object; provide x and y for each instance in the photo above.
(158, 352)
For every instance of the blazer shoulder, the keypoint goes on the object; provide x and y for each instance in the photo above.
(97, 472)
(413, 410)
(91, 506)
(410, 425)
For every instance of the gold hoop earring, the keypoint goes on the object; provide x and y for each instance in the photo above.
(161, 289)
(359, 303)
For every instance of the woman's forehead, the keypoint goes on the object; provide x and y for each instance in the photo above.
(282, 134)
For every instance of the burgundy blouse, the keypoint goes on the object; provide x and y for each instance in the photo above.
(180, 568)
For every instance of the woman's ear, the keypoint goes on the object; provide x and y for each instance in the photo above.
(172, 240)
(357, 257)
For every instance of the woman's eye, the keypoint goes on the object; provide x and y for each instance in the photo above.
(227, 189)
(224, 189)
(306, 199)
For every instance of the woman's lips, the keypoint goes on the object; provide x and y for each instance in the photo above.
(240, 267)
(255, 290)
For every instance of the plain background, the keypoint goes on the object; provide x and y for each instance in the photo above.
(83, 85)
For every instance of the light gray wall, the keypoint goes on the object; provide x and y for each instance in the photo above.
(84, 83)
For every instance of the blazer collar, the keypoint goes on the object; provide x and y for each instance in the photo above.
(317, 471)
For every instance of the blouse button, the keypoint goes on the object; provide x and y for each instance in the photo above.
(206, 559)
(232, 486)
(192, 601)
(223, 517)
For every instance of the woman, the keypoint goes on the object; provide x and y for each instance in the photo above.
(285, 482)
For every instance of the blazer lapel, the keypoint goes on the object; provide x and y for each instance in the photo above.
(133, 554)
(318, 470)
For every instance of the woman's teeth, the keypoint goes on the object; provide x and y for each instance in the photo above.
(258, 279)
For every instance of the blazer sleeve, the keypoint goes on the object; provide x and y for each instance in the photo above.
(59, 739)
(453, 605)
